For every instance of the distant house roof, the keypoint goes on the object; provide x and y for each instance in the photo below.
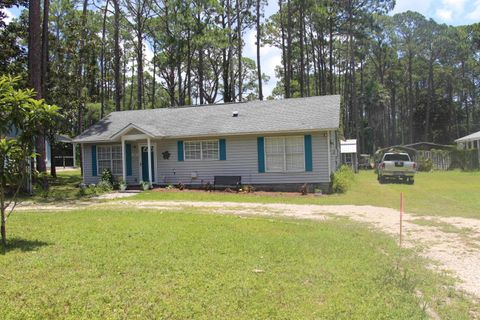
(348, 146)
(470, 137)
(254, 117)
(63, 138)
(427, 146)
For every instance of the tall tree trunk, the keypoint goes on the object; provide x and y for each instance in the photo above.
(117, 52)
(289, 47)
(53, 152)
(35, 47)
(302, 54)
(286, 79)
(139, 67)
(35, 69)
(124, 82)
(227, 52)
(130, 103)
(330, 54)
(81, 100)
(430, 98)
(240, 46)
(181, 99)
(393, 105)
(102, 63)
(154, 72)
(189, 68)
(259, 68)
(3, 227)
(200, 75)
(46, 8)
(410, 97)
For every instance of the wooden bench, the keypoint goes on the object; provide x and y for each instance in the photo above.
(227, 181)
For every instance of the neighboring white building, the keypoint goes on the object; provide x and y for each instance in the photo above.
(472, 141)
(348, 150)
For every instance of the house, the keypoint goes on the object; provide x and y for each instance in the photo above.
(64, 153)
(470, 142)
(348, 150)
(274, 145)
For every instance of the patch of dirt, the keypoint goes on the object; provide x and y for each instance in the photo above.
(116, 195)
(455, 252)
(275, 194)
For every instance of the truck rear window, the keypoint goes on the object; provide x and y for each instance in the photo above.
(396, 157)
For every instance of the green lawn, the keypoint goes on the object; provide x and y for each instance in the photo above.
(153, 264)
(63, 188)
(451, 193)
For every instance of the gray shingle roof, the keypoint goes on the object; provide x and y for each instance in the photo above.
(255, 117)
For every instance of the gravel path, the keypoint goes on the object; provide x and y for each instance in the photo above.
(452, 242)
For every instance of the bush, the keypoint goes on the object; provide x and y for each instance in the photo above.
(103, 186)
(87, 190)
(465, 159)
(107, 176)
(342, 179)
(425, 165)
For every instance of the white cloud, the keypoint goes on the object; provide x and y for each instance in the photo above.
(9, 16)
(444, 14)
(456, 5)
(449, 10)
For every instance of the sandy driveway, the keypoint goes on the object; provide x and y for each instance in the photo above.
(454, 243)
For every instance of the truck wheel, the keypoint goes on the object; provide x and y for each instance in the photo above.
(411, 181)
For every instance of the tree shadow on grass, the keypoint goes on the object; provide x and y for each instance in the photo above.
(23, 245)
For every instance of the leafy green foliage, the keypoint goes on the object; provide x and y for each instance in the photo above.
(107, 176)
(465, 159)
(23, 118)
(342, 179)
(425, 165)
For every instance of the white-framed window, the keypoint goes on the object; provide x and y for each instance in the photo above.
(110, 157)
(201, 150)
(285, 154)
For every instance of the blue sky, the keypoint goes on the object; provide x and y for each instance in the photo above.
(453, 12)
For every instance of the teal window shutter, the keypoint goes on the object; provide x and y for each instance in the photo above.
(128, 158)
(223, 149)
(261, 154)
(180, 150)
(308, 153)
(94, 160)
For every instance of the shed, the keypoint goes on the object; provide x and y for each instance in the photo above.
(429, 151)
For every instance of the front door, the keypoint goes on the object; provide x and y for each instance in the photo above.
(145, 163)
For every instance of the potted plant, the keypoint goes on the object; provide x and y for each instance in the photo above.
(122, 185)
(144, 185)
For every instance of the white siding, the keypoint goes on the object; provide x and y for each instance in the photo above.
(242, 160)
